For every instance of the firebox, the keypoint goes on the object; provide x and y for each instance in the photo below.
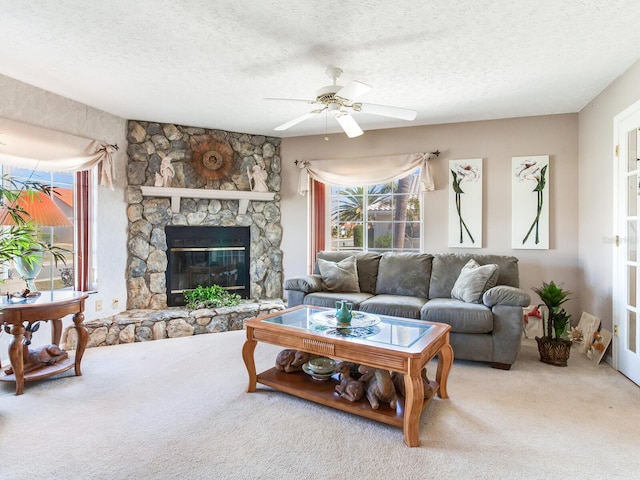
(207, 255)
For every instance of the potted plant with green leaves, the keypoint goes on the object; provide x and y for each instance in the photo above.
(553, 345)
(19, 237)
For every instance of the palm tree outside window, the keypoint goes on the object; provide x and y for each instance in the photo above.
(380, 218)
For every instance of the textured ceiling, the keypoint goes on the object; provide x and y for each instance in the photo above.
(212, 63)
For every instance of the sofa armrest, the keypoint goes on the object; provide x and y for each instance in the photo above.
(506, 295)
(305, 283)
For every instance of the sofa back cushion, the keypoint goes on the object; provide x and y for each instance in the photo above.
(404, 274)
(447, 267)
(366, 263)
(339, 276)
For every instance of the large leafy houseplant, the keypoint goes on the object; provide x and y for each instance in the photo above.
(553, 345)
(20, 239)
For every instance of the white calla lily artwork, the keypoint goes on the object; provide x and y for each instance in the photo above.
(465, 203)
(530, 202)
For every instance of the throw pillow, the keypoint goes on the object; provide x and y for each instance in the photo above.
(339, 276)
(474, 280)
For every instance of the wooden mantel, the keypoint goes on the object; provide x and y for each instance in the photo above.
(175, 194)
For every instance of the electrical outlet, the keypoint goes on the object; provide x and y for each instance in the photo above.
(98, 305)
(114, 304)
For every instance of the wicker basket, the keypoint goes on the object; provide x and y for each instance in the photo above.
(554, 351)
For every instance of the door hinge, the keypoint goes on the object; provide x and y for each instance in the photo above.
(617, 240)
(615, 330)
(617, 150)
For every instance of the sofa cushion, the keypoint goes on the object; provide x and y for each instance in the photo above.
(404, 274)
(394, 305)
(447, 266)
(473, 281)
(462, 316)
(329, 299)
(367, 263)
(339, 276)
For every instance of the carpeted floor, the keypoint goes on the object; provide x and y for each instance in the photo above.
(178, 409)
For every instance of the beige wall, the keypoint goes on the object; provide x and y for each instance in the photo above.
(496, 142)
(596, 147)
(25, 103)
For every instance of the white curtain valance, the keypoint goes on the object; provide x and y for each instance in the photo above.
(36, 148)
(365, 171)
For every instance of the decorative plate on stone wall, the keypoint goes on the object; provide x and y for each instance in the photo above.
(212, 158)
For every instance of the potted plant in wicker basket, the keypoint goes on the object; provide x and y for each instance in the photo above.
(553, 346)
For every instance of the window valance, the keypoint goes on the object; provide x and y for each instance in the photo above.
(36, 148)
(346, 172)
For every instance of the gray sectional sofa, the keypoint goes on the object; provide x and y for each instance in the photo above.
(478, 295)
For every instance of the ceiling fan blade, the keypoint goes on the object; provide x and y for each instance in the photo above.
(353, 90)
(386, 111)
(291, 100)
(348, 124)
(296, 120)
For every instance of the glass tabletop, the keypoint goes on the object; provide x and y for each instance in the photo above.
(391, 331)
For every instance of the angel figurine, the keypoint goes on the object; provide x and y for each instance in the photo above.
(259, 177)
(166, 172)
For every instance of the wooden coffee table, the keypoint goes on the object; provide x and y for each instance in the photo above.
(395, 344)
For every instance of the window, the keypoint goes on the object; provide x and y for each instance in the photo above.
(380, 218)
(64, 200)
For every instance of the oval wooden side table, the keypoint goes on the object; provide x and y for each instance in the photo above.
(51, 305)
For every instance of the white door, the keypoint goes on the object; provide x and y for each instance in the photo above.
(626, 275)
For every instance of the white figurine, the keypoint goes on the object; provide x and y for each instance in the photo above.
(166, 171)
(259, 177)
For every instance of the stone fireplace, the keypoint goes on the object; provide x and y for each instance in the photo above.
(154, 218)
(205, 256)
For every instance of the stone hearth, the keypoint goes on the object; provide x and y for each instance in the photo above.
(150, 144)
(144, 325)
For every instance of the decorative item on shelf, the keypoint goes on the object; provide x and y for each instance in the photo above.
(349, 388)
(290, 360)
(380, 387)
(553, 346)
(344, 311)
(213, 159)
(322, 365)
(34, 359)
(321, 377)
(398, 382)
(257, 179)
(167, 172)
(24, 212)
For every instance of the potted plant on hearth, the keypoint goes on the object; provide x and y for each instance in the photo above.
(553, 346)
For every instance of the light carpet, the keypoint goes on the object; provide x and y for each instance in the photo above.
(178, 409)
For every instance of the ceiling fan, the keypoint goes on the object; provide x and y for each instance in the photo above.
(340, 102)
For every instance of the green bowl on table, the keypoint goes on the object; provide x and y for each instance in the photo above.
(322, 365)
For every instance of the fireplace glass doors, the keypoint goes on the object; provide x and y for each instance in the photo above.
(206, 256)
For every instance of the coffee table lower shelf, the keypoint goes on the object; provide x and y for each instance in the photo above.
(302, 385)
